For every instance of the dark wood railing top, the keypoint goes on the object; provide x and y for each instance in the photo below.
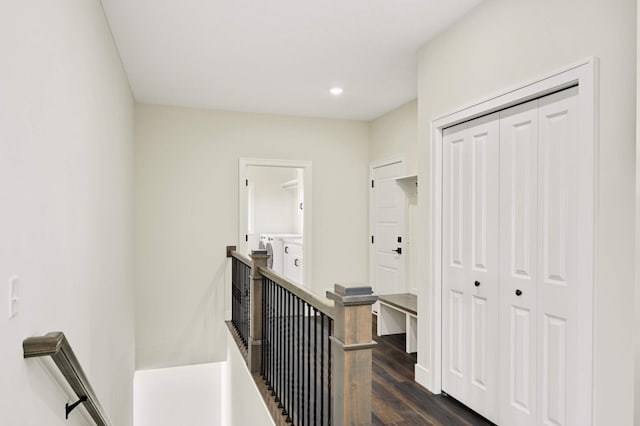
(57, 346)
(241, 257)
(324, 305)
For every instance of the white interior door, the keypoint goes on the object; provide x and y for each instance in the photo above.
(387, 229)
(518, 261)
(541, 234)
(470, 264)
(560, 320)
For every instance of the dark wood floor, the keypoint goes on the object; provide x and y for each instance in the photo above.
(399, 400)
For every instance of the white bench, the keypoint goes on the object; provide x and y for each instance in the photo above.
(398, 313)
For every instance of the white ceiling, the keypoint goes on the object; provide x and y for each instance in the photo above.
(277, 56)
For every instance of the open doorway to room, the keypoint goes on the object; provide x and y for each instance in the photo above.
(275, 200)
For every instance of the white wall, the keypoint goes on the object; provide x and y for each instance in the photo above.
(502, 43)
(244, 403)
(66, 180)
(396, 133)
(274, 206)
(187, 212)
(218, 394)
(186, 396)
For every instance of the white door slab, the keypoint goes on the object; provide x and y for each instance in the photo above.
(387, 226)
(470, 264)
(559, 286)
(518, 260)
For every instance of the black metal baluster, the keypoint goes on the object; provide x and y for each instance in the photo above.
(247, 290)
(233, 291)
(234, 313)
(235, 299)
(315, 365)
(240, 297)
(329, 373)
(243, 303)
(322, 369)
(299, 374)
(285, 394)
(270, 375)
(277, 352)
(265, 334)
(282, 350)
(290, 359)
(263, 329)
(299, 358)
(274, 381)
(272, 335)
(308, 318)
(294, 396)
(269, 331)
(240, 303)
(278, 342)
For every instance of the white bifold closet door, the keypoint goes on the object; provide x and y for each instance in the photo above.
(518, 263)
(511, 258)
(470, 264)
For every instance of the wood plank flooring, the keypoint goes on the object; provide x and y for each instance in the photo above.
(399, 400)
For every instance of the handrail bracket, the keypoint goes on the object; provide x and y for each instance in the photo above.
(69, 408)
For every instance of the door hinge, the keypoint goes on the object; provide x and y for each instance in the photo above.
(372, 239)
(246, 237)
(372, 184)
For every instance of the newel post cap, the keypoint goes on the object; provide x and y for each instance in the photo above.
(352, 294)
(259, 254)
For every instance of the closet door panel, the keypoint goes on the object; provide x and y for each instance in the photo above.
(558, 288)
(482, 283)
(470, 264)
(518, 271)
(455, 262)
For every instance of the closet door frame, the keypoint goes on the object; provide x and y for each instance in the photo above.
(585, 75)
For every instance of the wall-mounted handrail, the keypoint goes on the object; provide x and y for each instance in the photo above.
(57, 346)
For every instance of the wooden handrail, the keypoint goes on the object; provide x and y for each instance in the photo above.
(241, 257)
(57, 346)
(325, 306)
(322, 304)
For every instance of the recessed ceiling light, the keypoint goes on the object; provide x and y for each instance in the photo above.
(336, 91)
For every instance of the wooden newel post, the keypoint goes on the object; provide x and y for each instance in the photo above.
(351, 345)
(254, 347)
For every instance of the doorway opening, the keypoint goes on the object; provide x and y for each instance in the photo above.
(275, 214)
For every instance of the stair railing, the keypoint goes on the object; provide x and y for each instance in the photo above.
(310, 355)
